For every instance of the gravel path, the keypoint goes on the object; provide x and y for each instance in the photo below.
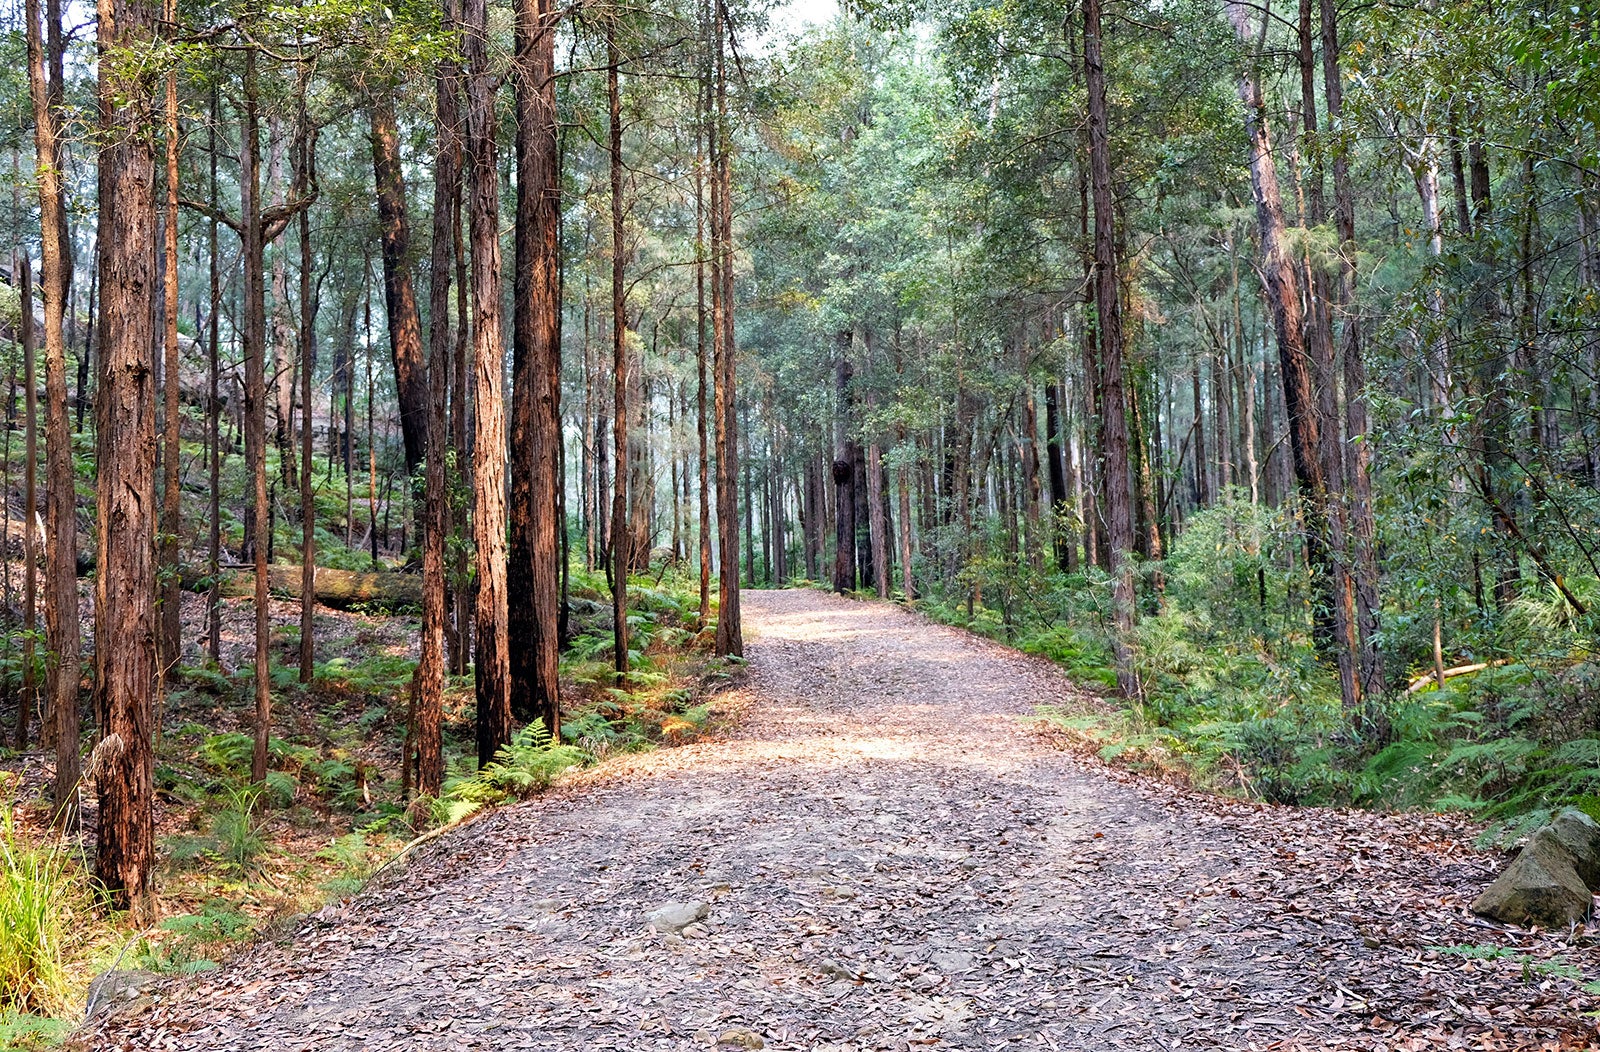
(891, 858)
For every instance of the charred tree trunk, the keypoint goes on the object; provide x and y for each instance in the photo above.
(844, 477)
(1065, 547)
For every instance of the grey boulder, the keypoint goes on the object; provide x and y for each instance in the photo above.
(1551, 882)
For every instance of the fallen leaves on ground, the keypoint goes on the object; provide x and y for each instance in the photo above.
(893, 859)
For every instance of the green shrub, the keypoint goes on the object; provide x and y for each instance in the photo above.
(236, 830)
(524, 766)
(42, 904)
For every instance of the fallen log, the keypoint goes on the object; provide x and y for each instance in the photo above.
(1423, 682)
(339, 589)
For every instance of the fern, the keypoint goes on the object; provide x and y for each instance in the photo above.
(527, 764)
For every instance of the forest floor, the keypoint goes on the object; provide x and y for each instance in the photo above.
(894, 856)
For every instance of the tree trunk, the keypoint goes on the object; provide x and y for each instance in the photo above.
(61, 522)
(280, 380)
(1362, 530)
(1064, 546)
(399, 296)
(305, 165)
(170, 648)
(1108, 310)
(461, 392)
(338, 589)
(730, 637)
(702, 130)
(536, 453)
(620, 556)
(213, 397)
(493, 660)
(29, 700)
(844, 476)
(125, 628)
(1281, 280)
(255, 403)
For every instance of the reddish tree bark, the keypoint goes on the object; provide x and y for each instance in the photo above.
(125, 624)
(399, 295)
(536, 445)
(492, 666)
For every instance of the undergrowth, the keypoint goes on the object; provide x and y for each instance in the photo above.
(1235, 697)
(237, 856)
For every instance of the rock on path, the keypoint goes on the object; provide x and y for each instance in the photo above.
(891, 858)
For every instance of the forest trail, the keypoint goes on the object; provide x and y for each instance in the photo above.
(892, 859)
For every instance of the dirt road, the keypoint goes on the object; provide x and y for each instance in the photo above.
(891, 856)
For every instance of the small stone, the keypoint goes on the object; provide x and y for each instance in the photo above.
(672, 942)
(835, 970)
(740, 1037)
(951, 960)
(115, 989)
(673, 917)
(1370, 943)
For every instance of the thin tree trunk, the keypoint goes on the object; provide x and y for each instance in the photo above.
(1108, 308)
(620, 556)
(372, 466)
(701, 409)
(255, 404)
(730, 637)
(280, 380)
(305, 163)
(214, 400)
(29, 700)
(81, 398)
(61, 526)
(1358, 470)
(426, 750)
(171, 610)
